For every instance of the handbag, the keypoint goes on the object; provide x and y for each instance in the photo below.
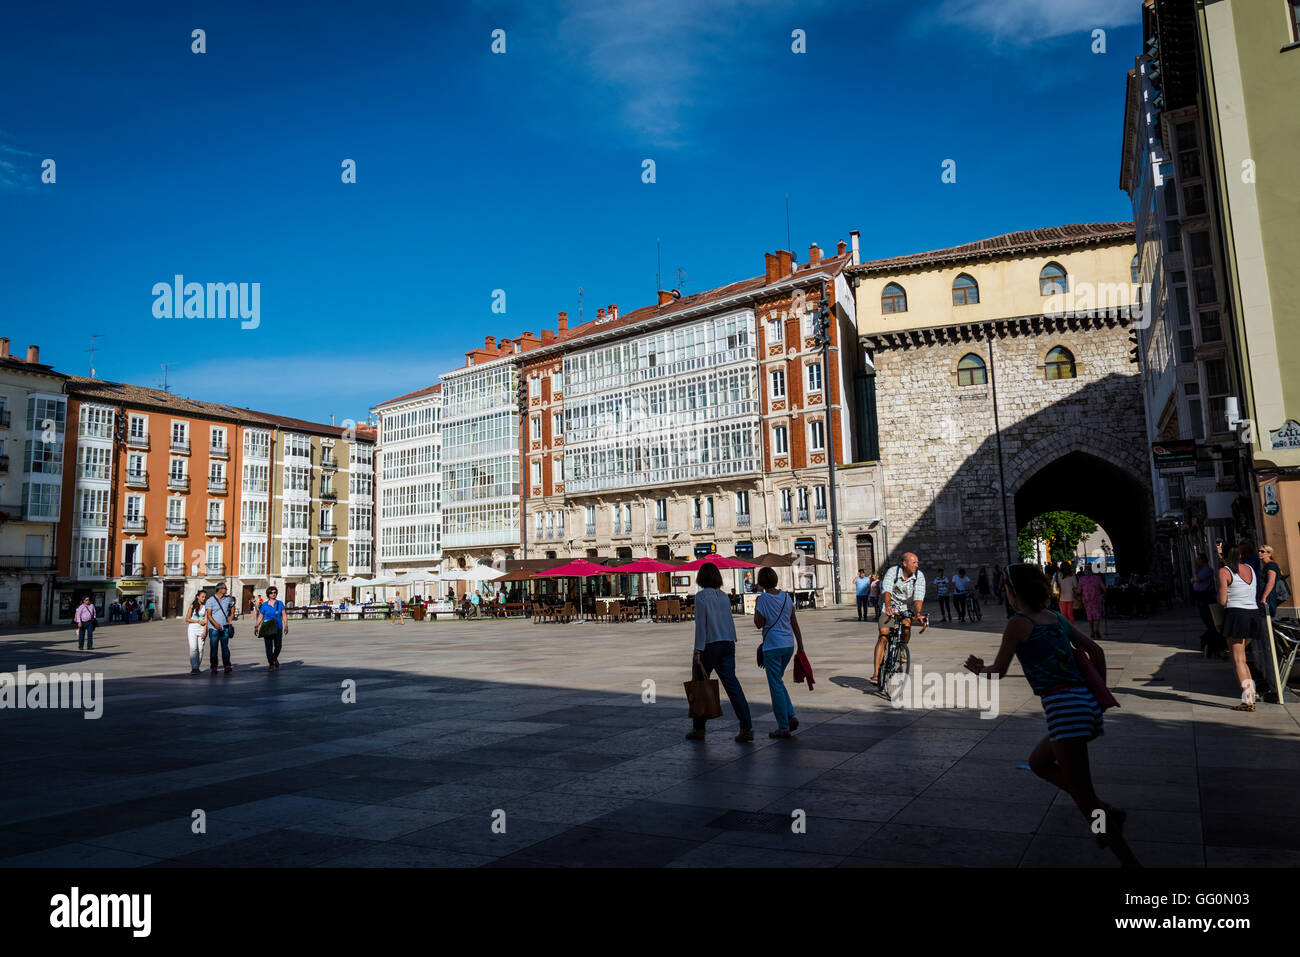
(702, 697)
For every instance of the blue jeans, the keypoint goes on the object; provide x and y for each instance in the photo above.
(86, 633)
(775, 662)
(720, 656)
(864, 605)
(220, 636)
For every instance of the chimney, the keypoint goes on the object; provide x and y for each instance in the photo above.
(547, 335)
(4, 347)
(563, 320)
(613, 310)
(34, 354)
(785, 263)
(814, 254)
(489, 343)
(840, 248)
(665, 296)
(600, 314)
(773, 267)
(853, 236)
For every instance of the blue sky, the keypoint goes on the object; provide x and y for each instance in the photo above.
(519, 172)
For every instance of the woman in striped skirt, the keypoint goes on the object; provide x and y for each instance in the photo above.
(1044, 643)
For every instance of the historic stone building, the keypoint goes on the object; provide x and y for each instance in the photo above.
(1002, 388)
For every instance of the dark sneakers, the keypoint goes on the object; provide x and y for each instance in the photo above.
(694, 735)
(194, 671)
(214, 669)
(227, 669)
(794, 723)
(746, 735)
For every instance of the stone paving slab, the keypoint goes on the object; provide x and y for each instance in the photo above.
(458, 726)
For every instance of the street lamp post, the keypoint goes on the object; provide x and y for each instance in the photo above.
(824, 338)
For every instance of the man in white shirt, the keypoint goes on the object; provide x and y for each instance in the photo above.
(902, 590)
(961, 585)
(942, 584)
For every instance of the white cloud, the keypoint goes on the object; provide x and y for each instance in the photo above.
(1026, 21)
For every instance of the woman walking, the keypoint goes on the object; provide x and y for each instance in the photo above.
(715, 648)
(1242, 618)
(873, 595)
(774, 614)
(1093, 589)
(1044, 642)
(196, 629)
(270, 626)
(1066, 584)
(1273, 591)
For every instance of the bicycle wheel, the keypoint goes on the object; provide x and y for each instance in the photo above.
(900, 674)
(886, 669)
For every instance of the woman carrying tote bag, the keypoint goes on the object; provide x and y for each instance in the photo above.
(270, 626)
(774, 614)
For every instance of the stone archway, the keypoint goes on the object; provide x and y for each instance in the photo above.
(1092, 484)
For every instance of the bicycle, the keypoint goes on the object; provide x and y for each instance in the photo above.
(897, 661)
(973, 611)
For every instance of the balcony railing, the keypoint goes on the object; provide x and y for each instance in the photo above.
(177, 526)
(4, 418)
(819, 514)
(132, 569)
(329, 462)
(699, 523)
(137, 479)
(134, 523)
(708, 521)
(742, 519)
(216, 483)
(180, 445)
(803, 514)
(31, 563)
(786, 517)
(137, 441)
(219, 451)
(253, 528)
(328, 531)
(216, 569)
(591, 531)
(327, 568)
(180, 483)
(661, 524)
(328, 494)
(215, 526)
(174, 570)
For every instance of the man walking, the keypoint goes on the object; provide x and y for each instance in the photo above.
(862, 585)
(960, 592)
(217, 611)
(941, 584)
(84, 621)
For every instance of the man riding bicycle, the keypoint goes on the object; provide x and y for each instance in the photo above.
(902, 586)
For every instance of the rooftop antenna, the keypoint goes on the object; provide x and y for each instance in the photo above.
(579, 305)
(681, 278)
(787, 222)
(91, 350)
(165, 367)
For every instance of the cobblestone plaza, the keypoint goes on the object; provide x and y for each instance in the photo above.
(456, 722)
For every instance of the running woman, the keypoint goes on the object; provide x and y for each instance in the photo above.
(1044, 642)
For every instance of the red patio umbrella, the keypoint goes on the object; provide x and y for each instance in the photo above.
(646, 565)
(721, 561)
(578, 568)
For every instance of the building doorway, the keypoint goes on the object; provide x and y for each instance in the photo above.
(29, 605)
(247, 599)
(866, 554)
(173, 598)
(290, 590)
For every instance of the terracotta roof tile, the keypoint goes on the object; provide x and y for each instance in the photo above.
(411, 395)
(1009, 244)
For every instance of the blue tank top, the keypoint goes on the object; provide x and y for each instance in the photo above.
(1048, 657)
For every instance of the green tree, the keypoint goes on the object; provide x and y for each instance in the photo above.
(1061, 530)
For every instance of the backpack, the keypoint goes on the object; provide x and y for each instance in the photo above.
(1280, 590)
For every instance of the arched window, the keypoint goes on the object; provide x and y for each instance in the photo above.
(1060, 363)
(1052, 280)
(965, 291)
(1134, 269)
(971, 370)
(893, 299)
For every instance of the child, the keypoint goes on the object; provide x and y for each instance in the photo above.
(1041, 640)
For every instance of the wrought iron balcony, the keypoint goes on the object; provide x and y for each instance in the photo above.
(174, 570)
(177, 526)
(179, 483)
(803, 514)
(329, 462)
(699, 523)
(328, 531)
(216, 484)
(180, 445)
(132, 569)
(786, 517)
(742, 519)
(216, 569)
(661, 524)
(133, 523)
(328, 494)
(591, 531)
(137, 441)
(327, 568)
(219, 451)
(137, 479)
(819, 514)
(33, 563)
(215, 526)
